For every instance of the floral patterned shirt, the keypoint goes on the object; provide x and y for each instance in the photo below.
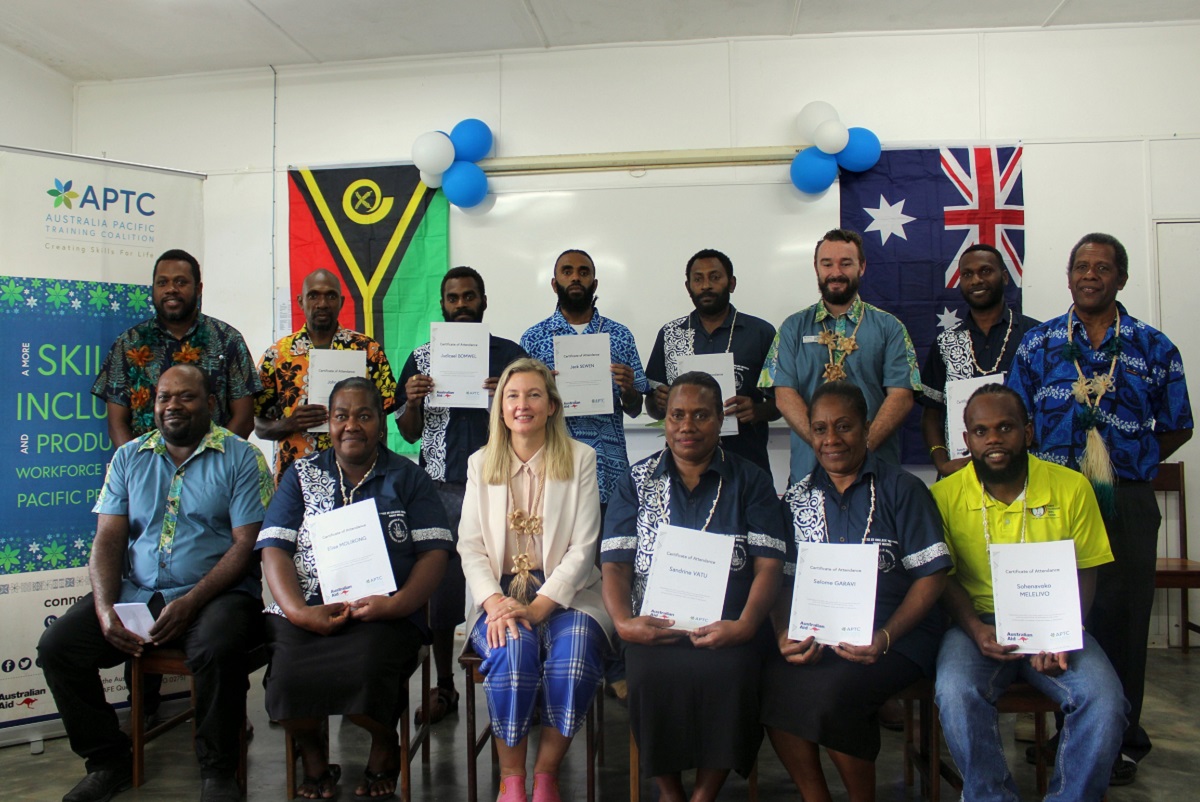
(283, 371)
(141, 354)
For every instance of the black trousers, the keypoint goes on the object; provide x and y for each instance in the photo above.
(1120, 616)
(73, 650)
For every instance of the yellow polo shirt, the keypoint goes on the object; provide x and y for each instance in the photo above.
(1060, 505)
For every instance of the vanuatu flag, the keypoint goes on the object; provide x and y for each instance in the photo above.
(387, 235)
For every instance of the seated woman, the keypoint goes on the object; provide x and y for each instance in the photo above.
(530, 521)
(693, 697)
(817, 696)
(349, 658)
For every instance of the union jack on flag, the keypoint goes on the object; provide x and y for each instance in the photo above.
(917, 211)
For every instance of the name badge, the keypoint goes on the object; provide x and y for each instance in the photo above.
(811, 338)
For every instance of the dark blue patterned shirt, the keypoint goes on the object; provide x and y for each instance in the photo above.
(1150, 394)
(749, 341)
(605, 433)
(652, 494)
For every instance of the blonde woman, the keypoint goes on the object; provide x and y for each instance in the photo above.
(530, 522)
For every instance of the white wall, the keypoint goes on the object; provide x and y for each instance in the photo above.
(1108, 115)
(38, 104)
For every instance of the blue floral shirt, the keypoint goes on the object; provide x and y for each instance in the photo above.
(605, 433)
(1150, 394)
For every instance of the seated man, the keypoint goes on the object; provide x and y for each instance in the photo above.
(1008, 496)
(178, 517)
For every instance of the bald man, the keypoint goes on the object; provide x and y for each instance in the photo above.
(283, 412)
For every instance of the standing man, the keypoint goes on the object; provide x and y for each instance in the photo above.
(842, 337)
(178, 334)
(282, 410)
(1108, 398)
(448, 437)
(982, 345)
(178, 517)
(1006, 496)
(574, 282)
(716, 327)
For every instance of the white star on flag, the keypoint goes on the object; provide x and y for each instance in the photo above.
(889, 219)
(948, 319)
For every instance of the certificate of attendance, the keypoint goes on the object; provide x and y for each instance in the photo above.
(584, 380)
(350, 552)
(1035, 588)
(833, 597)
(458, 364)
(688, 577)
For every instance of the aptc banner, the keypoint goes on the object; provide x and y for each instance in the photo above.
(387, 236)
(80, 230)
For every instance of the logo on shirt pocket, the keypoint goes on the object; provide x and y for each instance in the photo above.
(395, 524)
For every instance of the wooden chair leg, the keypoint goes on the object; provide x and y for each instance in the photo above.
(1184, 625)
(753, 779)
(909, 742)
(472, 755)
(405, 757)
(600, 726)
(934, 726)
(243, 750)
(590, 728)
(137, 725)
(1039, 739)
(289, 755)
(635, 774)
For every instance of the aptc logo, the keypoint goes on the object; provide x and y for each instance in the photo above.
(127, 201)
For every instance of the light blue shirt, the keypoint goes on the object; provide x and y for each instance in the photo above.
(181, 519)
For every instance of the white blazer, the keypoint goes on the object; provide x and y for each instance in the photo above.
(571, 528)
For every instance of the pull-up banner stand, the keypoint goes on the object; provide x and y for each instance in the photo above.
(78, 240)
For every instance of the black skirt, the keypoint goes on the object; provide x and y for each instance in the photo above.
(695, 708)
(362, 669)
(834, 702)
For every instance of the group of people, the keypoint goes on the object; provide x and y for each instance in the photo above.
(533, 528)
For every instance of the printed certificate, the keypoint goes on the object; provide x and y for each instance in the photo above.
(584, 375)
(1035, 587)
(958, 393)
(688, 576)
(351, 555)
(135, 617)
(720, 367)
(833, 597)
(458, 364)
(326, 368)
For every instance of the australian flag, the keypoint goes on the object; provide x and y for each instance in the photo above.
(917, 211)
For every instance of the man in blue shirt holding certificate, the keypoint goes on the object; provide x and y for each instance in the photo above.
(1007, 496)
(178, 516)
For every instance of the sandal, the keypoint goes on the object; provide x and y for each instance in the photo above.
(370, 778)
(327, 781)
(441, 703)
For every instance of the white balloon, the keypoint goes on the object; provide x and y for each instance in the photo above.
(831, 137)
(812, 115)
(431, 180)
(433, 152)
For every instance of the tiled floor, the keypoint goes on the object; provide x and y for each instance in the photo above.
(1171, 772)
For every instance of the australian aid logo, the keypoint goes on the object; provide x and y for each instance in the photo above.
(108, 215)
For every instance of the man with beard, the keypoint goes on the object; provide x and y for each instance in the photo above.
(717, 327)
(1108, 397)
(448, 437)
(165, 538)
(282, 410)
(842, 337)
(1008, 496)
(574, 282)
(178, 334)
(982, 345)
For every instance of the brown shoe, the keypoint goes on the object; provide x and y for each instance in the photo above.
(441, 703)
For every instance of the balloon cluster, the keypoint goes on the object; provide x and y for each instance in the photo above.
(855, 149)
(448, 161)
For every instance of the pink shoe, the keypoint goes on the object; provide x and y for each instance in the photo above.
(512, 789)
(545, 788)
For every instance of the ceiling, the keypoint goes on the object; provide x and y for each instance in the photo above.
(115, 39)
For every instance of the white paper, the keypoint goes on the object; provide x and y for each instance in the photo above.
(1035, 588)
(720, 367)
(135, 617)
(958, 393)
(458, 363)
(584, 380)
(688, 577)
(351, 555)
(833, 598)
(327, 367)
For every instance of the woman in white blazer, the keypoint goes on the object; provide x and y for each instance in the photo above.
(530, 523)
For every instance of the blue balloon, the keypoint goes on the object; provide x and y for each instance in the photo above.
(464, 184)
(861, 152)
(813, 171)
(472, 140)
